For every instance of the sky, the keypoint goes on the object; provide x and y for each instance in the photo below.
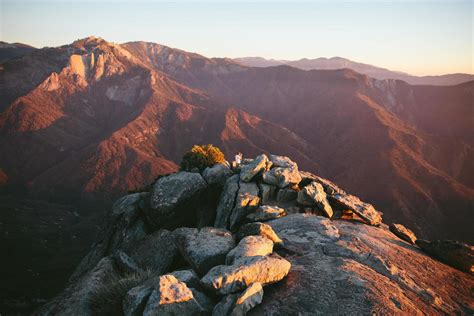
(417, 37)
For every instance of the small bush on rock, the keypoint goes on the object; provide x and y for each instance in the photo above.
(201, 157)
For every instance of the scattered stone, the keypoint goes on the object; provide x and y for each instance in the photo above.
(125, 264)
(282, 161)
(453, 253)
(286, 195)
(171, 297)
(267, 192)
(403, 233)
(250, 298)
(204, 248)
(240, 304)
(207, 305)
(313, 194)
(250, 170)
(246, 201)
(187, 276)
(217, 174)
(226, 202)
(329, 187)
(364, 210)
(135, 300)
(172, 198)
(245, 271)
(250, 246)
(265, 213)
(282, 177)
(155, 252)
(258, 229)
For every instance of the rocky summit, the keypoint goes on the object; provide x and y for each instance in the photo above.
(263, 238)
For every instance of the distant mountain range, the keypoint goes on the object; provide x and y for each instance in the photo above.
(369, 70)
(93, 119)
(13, 50)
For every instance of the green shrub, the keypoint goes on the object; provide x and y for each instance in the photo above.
(201, 157)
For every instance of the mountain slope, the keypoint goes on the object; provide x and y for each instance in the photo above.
(364, 129)
(335, 63)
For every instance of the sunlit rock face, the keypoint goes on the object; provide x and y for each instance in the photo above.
(283, 257)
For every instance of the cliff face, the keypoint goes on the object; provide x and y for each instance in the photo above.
(261, 238)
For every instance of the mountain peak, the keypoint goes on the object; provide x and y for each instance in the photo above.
(273, 223)
(88, 41)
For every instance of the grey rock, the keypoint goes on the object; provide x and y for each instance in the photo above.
(258, 229)
(205, 303)
(265, 213)
(403, 233)
(246, 201)
(155, 252)
(135, 300)
(173, 198)
(187, 276)
(245, 271)
(267, 192)
(282, 177)
(250, 170)
(250, 298)
(286, 195)
(364, 210)
(329, 187)
(125, 264)
(336, 264)
(204, 248)
(227, 202)
(240, 304)
(171, 297)
(122, 229)
(313, 194)
(76, 298)
(217, 174)
(225, 306)
(250, 246)
(453, 253)
(282, 161)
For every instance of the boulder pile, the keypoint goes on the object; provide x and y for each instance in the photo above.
(172, 251)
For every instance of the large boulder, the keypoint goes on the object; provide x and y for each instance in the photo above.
(171, 297)
(217, 174)
(258, 229)
(344, 267)
(250, 170)
(245, 271)
(240, 304)
(403, 233)
(329, 187)
(226, 202)
(267, 192)
(454, 253)
(204, 248)
(265, 213)
(124, 263)
(313, 194)
(282, 177)
(155, 252)
(364, 210)
(247, 200)
(250, 246)
(135, 300)
(173, 199)
(188, 276)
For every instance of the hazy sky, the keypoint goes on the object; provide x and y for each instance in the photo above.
(419, 37)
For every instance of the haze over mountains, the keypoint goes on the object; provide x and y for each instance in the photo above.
(366, 69)
(90, 120)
